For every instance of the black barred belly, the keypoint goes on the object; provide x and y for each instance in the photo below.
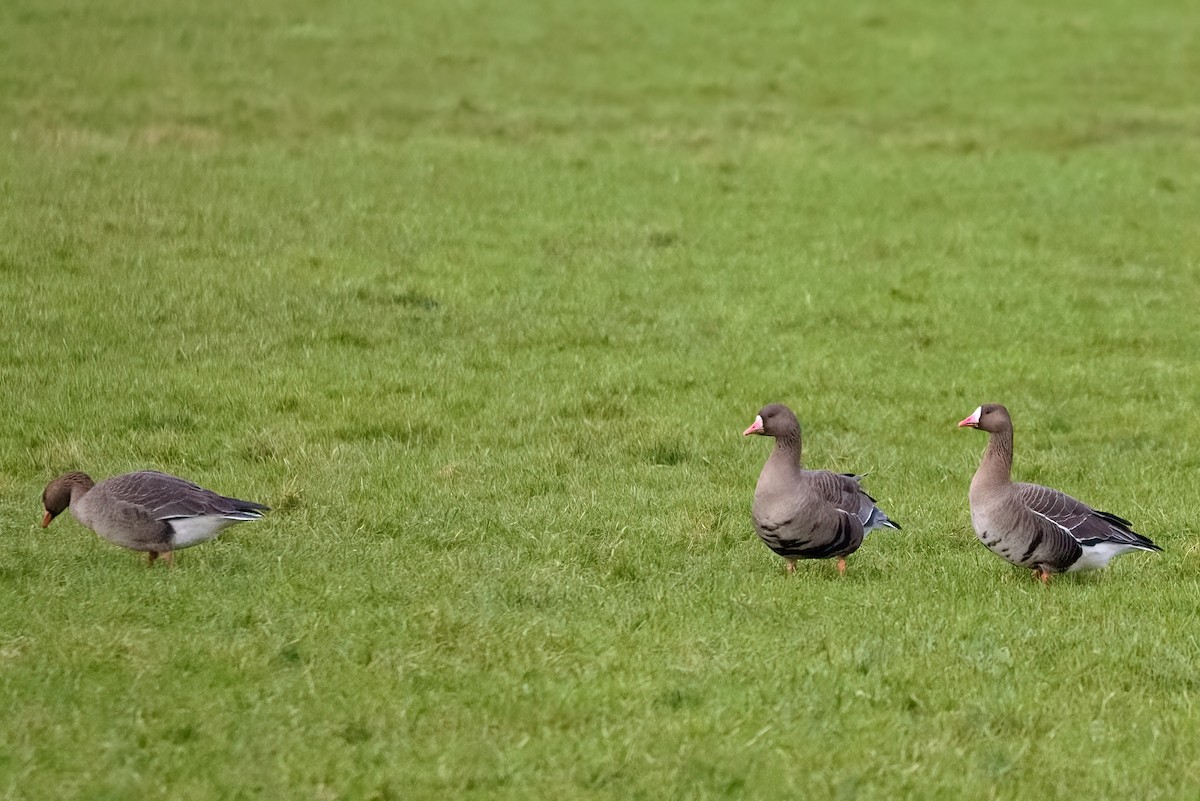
(1054, 553)
(796, 541)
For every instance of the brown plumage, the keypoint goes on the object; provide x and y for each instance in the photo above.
(807, 514)
(1034, 526)
(146, 511)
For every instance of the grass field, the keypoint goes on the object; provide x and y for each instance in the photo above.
(479, 296)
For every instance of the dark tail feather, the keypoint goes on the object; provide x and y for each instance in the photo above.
(1115, 520)
(879, 518)
(249, 506)
(1137, 540)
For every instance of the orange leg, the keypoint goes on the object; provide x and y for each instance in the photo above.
(1044, 575)
(841, 565)
(791, 566)
(169, 558)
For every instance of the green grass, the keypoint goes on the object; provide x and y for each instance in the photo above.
(480, 295)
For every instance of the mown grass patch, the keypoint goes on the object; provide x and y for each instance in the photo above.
(479, 299)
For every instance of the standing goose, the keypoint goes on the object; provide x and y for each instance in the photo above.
(147, 511)
(807, 514)
(1035, 526)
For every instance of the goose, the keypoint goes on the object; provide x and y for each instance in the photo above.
(807, 514)
(1035, 526)
(146, 511)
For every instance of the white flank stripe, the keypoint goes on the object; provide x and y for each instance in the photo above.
(1095, 557)
(195, 530)
(1061, 527)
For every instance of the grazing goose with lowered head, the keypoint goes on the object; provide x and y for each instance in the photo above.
(1035, 526)
(807, 514)
(147, 511)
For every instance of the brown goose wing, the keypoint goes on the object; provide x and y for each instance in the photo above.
(1085, 525)
(845, 492)
(166, 497)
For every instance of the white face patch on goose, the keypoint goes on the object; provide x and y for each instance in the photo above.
(755, 428)
(973, 418)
